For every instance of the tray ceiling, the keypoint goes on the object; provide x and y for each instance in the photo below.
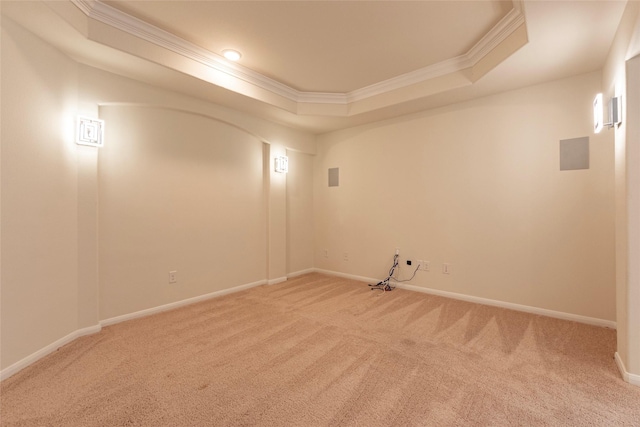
(327, 65)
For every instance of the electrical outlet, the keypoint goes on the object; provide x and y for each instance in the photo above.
(326, 253)
(173, 276)
(397, 251)
(345, 256)
(446, 268)
(423, 265)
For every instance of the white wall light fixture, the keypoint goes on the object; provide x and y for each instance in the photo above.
(90, 132)
(615, 112)
(598, 113)
(282, 164)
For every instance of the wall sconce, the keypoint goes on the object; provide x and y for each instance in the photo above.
(90, 132)
(615, 112)
(282, 164)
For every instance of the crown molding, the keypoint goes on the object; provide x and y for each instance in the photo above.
(117, 19)
(507, 25)
(448, 66)
(323, 98)
(108, 15)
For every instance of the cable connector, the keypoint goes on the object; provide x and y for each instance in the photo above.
(385, 285)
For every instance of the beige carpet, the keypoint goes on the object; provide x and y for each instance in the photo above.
(319, 350)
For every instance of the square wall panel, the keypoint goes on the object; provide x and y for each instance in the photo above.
(574, 153)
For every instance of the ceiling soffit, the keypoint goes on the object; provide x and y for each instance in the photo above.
(112, 27)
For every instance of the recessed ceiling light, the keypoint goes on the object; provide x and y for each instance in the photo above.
(231, 55)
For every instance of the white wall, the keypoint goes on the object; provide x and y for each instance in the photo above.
(632, 140)
(478, 185)
(99, 87)
(187, 185)
(616, 82)
(300, 212)
(177, 192)
(39, 195)
(88, 235)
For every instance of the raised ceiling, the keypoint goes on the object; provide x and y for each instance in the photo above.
(327, 65)
(328, 46)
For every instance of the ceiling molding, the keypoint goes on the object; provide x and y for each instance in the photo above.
(323, 98)
(119, 20)
(428, 73)
(507, 26)
(136, 27)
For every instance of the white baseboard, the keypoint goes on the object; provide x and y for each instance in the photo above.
(277, 280)
(485, 301)
(34, 357)
(181, 303)
(18, 366)
(89, 330)
(512, 306)
(347, 276)
(632, 379)
(301, 272)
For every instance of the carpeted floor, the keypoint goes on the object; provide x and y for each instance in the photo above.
(319, 350)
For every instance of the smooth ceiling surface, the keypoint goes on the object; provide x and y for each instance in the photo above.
(327, 46)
